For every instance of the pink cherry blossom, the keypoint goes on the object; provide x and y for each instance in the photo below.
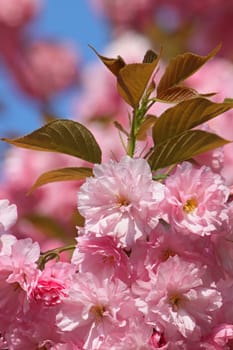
(8, 215)
(18, 271)
(137, 337)
(101, 256)
(222, 336)
(197, 199)
(21, 262)
(180, 299)
(121, 200)
(34, 329)
(53, 283)
(96, 307)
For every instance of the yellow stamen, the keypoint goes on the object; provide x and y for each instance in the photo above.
(175, 300)
(190, 205)
(167, 253)
(98, 311)
(108, 259)
(122, 201)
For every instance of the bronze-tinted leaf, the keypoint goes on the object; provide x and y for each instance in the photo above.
(120, 128)
(183, 146)
(63, 174)
(181, 67)
(150, 88)
(186, 115)
(63, 136)
(177, 94)
(113, 64)
(132, 81)
(148, 122)
(149, 57)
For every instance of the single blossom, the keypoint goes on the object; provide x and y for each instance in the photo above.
(179, 298)
(53, 283)
(121, 200)
(196, 201)
(96, 307)
(101, 256)
(18, 271)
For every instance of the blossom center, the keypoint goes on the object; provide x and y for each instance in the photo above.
(16, 286)
(175, 300)
(108, 259)
(122, 201)
(98, 311)
(190, 205)
(167, 253)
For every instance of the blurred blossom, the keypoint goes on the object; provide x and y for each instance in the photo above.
(131, 45)
(216, 76)
(15, 13)
(192, 7)
(201, 24)
(213, 28)
(129, 14)
(56, 201)
(44, 68)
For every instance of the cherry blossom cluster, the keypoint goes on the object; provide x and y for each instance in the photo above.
(152, 267)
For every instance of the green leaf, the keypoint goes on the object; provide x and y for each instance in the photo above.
(64, 174)
(186, 115)
(182, 147)
(133, 79)
(228, 100)
(160, 177)
(47, 225)
(180, 68)
(113, 64)
(78, 219)
(62, 136)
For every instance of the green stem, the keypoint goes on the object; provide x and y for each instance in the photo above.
(137, 120)
(132, 136)
(53, 254)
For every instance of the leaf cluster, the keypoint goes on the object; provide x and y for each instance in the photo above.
(175, 134)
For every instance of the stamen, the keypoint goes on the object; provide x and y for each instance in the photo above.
(122, 201)
(98, 311)
(190, 205)
(167, 253)
(176, 300)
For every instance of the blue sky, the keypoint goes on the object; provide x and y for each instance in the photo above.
(71, 20)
